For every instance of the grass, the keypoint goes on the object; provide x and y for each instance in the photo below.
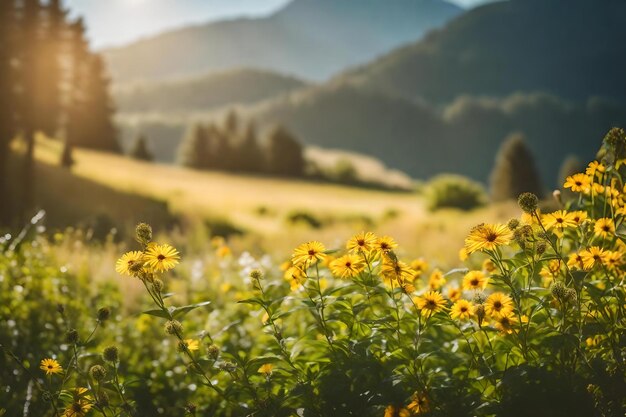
(261, 205)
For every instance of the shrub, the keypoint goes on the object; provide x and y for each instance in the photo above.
(304, 217)
(454, 191)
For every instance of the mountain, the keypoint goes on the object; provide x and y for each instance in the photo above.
(308, 38)
(461, 137)
(244, 86)
(569, 48)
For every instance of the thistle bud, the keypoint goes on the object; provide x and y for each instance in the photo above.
(213, 351)
(559, 291)
(541, 248)
(513, 224)
(256, 274)
(228, 367)
(102, 399)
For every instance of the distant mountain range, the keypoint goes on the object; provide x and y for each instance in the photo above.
(551, 69)
(311, 39)
(245, 86)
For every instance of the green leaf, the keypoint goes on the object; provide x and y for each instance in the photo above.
(181, 311)
(158, 313)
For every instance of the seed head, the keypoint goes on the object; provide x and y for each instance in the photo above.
(158, 284)
(104, 313)
(513, 224)
(110, 354)
(213, 351)
(528, 202)
(256, 274)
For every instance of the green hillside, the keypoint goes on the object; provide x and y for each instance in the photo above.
(570, 48)
(209, 91)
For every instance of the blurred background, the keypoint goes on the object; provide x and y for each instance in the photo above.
(280, 118)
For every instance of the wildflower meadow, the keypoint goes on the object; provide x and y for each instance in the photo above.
(529, 322)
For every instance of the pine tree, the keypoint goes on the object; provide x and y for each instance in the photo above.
(195, 148)
(29, 46)
(139, 149)
(514, 171)
(66, 155)
(49, 69)
(249, 157)
(90, 116)
(284, 154)
(223, 149)
(7, 100)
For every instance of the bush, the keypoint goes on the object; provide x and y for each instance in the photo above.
(454, 191)
(304, 217)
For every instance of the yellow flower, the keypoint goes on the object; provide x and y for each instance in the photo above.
(124, 264)
(192, 344)
(81, 404)
(578, 183)
(613, 259)
(604, 227)
(419, 404)
(396, 270)
(498, 304)
(223, 251)
(475, 281)
(575, 261)
(593, 256)
(463, 255)
(362, 242)
(430, 303)
(462, 310)
(558, 220)
(594, 168)
(579, 217)
(505, 322)
(454, 293)
(393, 411)
(308, 254)
(489, 265)
(347, 266)
(420, 266)
(488, 237)
(385, 244)
(436, 280)
(296, 277)
(161, 258)
(51, 366)
(266, 369)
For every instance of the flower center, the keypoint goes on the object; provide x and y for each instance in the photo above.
(497, 305)
(161, 257)
(474, 282)
(311, 252)
(491, 237)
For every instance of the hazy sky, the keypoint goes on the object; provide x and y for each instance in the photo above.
(115, 22)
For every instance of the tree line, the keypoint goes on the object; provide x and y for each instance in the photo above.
(50, 82)
(235, 146)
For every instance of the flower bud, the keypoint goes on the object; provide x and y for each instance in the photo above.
(158, 284)
(110, 354)
(103, 314)
(98, 372)
(513, 224)
(213, 351)
(256, 274)
(102, 399)
(173, 327)
(143, 233)
(528, 202)
(71, 336)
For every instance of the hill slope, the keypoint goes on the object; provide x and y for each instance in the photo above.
(570, 48)
(242, 86)
(309, 38)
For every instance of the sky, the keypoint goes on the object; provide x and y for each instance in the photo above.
(117, 22)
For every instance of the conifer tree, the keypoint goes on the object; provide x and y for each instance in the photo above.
(514, 171)
(249, 157)
(139, 150)
(7, 100)
(67, 159)
(223, 149)
(90, 114)
(284, 154)
(195, 148)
